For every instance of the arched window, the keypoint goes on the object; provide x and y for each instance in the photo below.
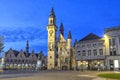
(51, 21)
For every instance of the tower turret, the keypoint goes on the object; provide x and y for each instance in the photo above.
(62, 29)
(69, 40)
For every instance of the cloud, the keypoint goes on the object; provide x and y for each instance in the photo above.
(22, 34)
(16, 38)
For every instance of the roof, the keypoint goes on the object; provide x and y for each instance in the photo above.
(14, 51)
(52, 14)
(90, 36)
(112, 29)
(17, 52)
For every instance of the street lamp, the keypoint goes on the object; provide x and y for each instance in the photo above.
(98, 65)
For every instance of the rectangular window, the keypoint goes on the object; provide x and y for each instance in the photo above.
(110, 52)
(113, 41)
(84, 53)
(110, 42)
(95, 52)
(114, 51)
(94, 45)
(89, 52)
(88, 45)
(100, 44)
(79, 53)
(66, 60)
(101, 51)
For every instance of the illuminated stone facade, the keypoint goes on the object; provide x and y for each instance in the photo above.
(22, 59)
(59, 49)
(95, 53)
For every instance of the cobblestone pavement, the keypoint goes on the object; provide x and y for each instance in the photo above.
(52, 75)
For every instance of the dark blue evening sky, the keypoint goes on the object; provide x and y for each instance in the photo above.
(22, 20)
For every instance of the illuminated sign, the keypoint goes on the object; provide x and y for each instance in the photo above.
(116, 64)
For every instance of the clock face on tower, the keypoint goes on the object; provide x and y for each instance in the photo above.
(51, 32)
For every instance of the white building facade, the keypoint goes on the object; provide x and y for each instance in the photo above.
(112, 44)
(90, 53)
(95, 53)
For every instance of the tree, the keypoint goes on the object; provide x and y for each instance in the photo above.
(1, 44)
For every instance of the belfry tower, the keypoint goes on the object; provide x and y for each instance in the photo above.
(52, 29)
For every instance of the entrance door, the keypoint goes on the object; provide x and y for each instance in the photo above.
(64, 67)
(111, 65)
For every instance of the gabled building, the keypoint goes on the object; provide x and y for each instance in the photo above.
(21, 59)
(95, 53)
(90, 53)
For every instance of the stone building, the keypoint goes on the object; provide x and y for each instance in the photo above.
(112, 45)
(90, 53)
(21, 59)
(95, 53)
(59, 48)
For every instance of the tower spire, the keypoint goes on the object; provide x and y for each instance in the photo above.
(62, 29)
(69, 35)
(27, 48)
(52, 19)
(52, 13)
